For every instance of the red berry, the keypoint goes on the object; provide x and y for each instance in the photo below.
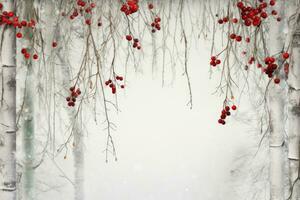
(213, 63)
(285, 55)
(19, 35)
(23, 23)
(27, 55)
(264, 15)
(157, 20)
(72, 89)
(240, 4)
(272, 2)
(122, 86)
(150, 6)
(232, 36)
(277, 80)
(93, 5)
(238, 38)
(234, 20)
(227, 108)
(54, 44)
(128, 37)
(274, 12)
(11, 14)
(35, 56)
(23, 51)
(88, 21)
(68, 98)
(233, 107)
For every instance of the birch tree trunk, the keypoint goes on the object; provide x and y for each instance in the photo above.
(8, 111)
(276, 102)
(28, 112)
(75, 120)
(294, 108)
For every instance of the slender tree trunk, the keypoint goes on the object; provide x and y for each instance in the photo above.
(8, 111)
(294, 109)
(276, 102)
(28, 112)
(75, 120)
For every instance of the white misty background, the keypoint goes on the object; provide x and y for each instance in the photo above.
(165, 150)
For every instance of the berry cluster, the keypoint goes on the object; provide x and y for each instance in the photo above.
(253, 16)
(136, 42)
(83, 7)
(272, 66)
(225, 113)
(235, 37)
(214, 61)
(26, 54)
(8, 18)
(112, 85)
(156, 24)
(73, 96)
(130, 7)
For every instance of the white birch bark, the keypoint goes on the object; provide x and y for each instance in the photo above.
(276, 102)
(294, 107)
(28, 113)
(8, 111)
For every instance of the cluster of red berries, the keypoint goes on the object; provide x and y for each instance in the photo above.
(83, 7)
(225, 113)
(136, 42)
(235, 37)
(214, 61)
(156, 24)
(130, 7)
(73, 96)
(10, 19)
(272, 66)
(112, 85)
(253, 16)
(26, 54)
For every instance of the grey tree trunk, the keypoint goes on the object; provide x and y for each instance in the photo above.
(28, 112)
(8, 111)
(294, 108)
(276, 105)
(75, 120)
